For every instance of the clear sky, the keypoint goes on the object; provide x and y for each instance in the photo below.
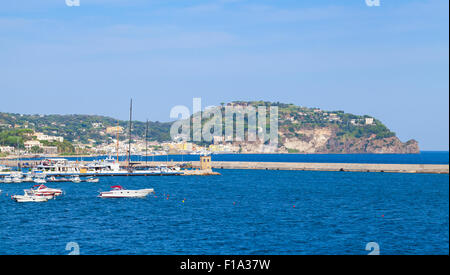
(391, 61)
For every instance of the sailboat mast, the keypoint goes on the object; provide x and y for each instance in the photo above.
(146, 142)
(129, 141)
(18, 155)
(117, 143)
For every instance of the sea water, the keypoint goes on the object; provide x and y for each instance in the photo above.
(427, 157)
(239, 212)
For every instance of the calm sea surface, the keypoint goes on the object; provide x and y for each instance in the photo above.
(239, 212)
(427, 157)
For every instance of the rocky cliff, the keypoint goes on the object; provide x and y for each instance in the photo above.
(312, 130)
(325, 140)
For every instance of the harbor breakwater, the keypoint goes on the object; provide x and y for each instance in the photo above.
(301, 166)
(304, 166)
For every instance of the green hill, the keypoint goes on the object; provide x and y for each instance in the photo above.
(75, 127)
(301, 129)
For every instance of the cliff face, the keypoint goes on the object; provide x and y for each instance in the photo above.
(312, 130)
(325, 140)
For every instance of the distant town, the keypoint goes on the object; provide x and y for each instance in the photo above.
(38, 145)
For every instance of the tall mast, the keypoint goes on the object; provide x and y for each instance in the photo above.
(129, 141)
(18, 155)
(146, 142)
(117, 144)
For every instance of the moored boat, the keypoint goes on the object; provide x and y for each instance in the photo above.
(40, 180)
(28, 178)
(44, 191)
(75, 179)
(27, 197)
(92, 180)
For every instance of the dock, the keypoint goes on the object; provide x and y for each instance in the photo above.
(306, 166)
(194, 166)
(343, 167)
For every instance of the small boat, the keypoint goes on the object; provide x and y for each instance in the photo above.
(55, 179)
(28, 178)
(44, 191)
(92, 180)
(40, 180)
(17, 180)
(7, 180)
(118, 191)
(27, 197)
(75, 179)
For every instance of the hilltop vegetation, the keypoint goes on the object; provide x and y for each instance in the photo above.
(294, 117)
(79, 128)
(14, 137)
(312, 130)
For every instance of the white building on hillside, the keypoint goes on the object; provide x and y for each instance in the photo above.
(369, 120)
(6, 149)
(41, 136)
(31, 143)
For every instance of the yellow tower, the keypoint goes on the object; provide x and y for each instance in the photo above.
(205, 162)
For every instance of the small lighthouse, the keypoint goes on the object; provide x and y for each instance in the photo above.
(205, 163)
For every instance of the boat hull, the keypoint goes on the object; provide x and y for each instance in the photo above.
(126, 193)
(20, 198)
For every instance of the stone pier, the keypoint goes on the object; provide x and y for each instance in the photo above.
(300, 166)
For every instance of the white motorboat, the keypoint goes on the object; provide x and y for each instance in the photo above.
(92, 180)
(60, 167)
(44, 191)
(17, 180)
(28, 178)
(4, 169)
(51, 167)
(7, 180)
(169, 170)
(40, 180)
(118, 191)
(27, 197)
(75, 179)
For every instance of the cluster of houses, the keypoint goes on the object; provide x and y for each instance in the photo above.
(36, 142)
(140, 147)
(334, 117)
(365, 121)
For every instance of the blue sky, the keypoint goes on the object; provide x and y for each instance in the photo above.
(390, 62)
